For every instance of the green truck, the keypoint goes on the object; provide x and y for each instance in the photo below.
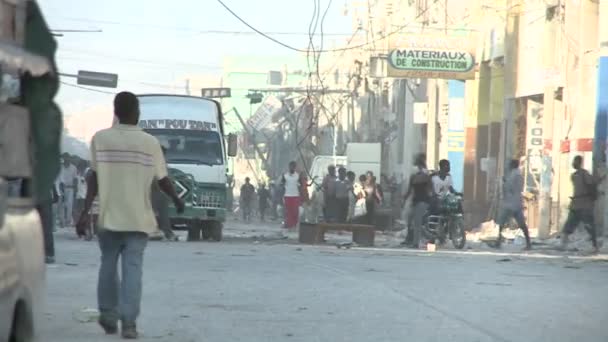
(191, 130)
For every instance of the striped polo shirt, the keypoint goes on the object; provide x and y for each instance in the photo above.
(127, 160)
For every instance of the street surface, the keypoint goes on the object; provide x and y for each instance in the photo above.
(253, 287)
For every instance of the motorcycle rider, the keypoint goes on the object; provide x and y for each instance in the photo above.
(420, 186)
(442, 180)
(442, 187)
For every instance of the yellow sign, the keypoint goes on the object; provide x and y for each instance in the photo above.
(419, 56)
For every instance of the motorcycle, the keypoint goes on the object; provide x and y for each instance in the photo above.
(447, 221)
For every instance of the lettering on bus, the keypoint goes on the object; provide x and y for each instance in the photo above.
(178, 124)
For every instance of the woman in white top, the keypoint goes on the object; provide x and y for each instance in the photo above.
(291, 182)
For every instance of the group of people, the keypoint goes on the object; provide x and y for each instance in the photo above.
(426, 188)
(344, 198)
(290, 192)
(247, 199)
(70, 190)
(347, 200)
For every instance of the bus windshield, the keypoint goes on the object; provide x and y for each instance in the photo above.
(190, 146)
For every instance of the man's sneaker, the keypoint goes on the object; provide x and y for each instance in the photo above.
(129, 332)
(49, 259)
(110, 328)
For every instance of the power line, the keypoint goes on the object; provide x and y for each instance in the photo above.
(195, 30)
(77, 31)
(272, 32)
(86, 88)
(97, 54)
(382, 36)
(258, 31)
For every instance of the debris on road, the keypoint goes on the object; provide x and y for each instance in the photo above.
(87, 315)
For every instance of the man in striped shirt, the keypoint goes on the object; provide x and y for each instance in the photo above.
(124, 162)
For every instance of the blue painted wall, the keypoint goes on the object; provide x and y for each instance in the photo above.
(601, 118)
(456, 134)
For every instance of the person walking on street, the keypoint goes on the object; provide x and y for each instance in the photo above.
(343, 188)
(68, 179)
(275, 199)
(582, 204)
(420, 188)
(356, 193)
(329, 194)
(512, 206)
(124, 162)
(263, 199)
(81, 190)
(372, 197)
(291, 197)
(246, 197)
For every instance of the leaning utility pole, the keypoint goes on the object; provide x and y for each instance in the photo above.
(249, 134)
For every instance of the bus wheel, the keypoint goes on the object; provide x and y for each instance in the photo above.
(215, 231)
(194, 232)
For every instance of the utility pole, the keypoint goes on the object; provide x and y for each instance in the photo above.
(550, 145)
(445, 16)
(188, 87)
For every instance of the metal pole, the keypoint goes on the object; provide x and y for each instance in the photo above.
(67, 75)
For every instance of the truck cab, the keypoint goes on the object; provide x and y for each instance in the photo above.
(191, 131)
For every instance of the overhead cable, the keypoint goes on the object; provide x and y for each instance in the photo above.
(382, 36)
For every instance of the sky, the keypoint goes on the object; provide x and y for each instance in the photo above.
(154, 45)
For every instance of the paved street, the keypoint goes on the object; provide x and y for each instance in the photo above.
(253, 289)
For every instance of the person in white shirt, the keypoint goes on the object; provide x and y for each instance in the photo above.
(68, 178)
(291, 198)
(442, 185)
(125, 161)
(442, 180)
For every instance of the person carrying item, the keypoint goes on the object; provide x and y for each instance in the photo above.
(356, 194)
(512, 206)
(582, 204)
